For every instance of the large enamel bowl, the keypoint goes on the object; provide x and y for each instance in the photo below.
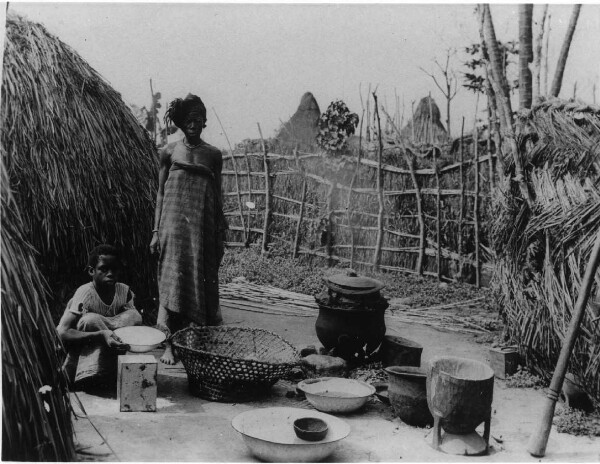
(269, 434)
(336, 394)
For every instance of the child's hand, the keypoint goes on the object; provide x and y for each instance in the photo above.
(112, 341)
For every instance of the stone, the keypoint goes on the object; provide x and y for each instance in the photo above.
(136, 383)
(320, 365)
(308, 350)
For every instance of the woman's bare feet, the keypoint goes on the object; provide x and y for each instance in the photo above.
(168, 357)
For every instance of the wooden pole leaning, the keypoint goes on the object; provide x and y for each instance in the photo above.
(539, 438)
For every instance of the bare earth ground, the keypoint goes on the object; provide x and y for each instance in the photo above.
(186, 428)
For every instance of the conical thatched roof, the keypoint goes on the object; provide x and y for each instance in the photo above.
(542, 251)
(36, 413)
(424, 115)
(301, 129)
(82, 168)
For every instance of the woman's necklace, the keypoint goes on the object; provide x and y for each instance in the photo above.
(191, 147)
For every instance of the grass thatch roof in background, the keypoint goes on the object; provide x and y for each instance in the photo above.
(36, 414)
(427, 120)
(302, 127)
(82, 168)
(542, 252)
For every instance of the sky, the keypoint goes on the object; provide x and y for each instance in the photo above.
(251, 63)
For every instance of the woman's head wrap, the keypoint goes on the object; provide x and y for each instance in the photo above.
(179, 110)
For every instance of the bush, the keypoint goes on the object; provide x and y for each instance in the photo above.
(335, 126)
(576, 422)
(523, 378)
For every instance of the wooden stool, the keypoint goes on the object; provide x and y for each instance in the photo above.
(136, 382)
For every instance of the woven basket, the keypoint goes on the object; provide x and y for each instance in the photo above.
(233, 364)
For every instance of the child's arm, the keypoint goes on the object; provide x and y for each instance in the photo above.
(134, 318)
(69, 334)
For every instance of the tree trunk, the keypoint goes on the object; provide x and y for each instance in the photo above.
(498, 77)
(525, 54)
(492, 104)
(564, 53)
(537, 62)
(546, 48)
(503, 99)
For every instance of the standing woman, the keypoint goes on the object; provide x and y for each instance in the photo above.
(189, 225)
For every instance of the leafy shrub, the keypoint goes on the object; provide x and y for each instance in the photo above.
(523, 378)
(576, 422)
(335, 126)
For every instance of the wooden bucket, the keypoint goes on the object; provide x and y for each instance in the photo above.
(460, 393)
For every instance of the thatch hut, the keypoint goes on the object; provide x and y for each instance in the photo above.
(81, 167)
(542, 251)
(301, 129)
(425, 127)
(36, 413)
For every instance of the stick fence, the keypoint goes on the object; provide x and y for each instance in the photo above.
(403, 211)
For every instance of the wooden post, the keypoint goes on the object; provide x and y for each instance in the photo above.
(237, 184)
(462, 200)
(438, 218)
(368, 116)
(349, 207)
(301, 214)
(267, 193)
(539, 438)
(476, 206)
(247, 242)
(438, 199)
(413, 176)
(328, 246)
(377, 253)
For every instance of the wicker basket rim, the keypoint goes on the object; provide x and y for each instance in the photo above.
(227, 329)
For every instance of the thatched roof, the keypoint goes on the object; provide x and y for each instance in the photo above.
(36, 414)
(542, 252)
(81, 166)
(425, 114)
(302, 127)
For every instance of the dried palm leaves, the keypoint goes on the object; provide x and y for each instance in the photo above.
(542, 252)
(36, 419)
(82, 169)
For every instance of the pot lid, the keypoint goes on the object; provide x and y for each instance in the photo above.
(351, 283)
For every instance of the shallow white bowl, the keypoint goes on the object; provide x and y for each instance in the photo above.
(269, 434)
(335, 394)
(140, 339)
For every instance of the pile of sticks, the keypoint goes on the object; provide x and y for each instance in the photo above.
(247, 296)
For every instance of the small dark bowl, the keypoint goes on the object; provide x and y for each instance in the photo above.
(310, 428)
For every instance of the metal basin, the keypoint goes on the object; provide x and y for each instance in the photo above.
(336, 395)
(269, 435)
(140, 339)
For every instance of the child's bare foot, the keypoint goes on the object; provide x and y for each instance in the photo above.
(168, 357)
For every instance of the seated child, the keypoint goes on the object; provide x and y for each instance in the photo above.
(96, 309)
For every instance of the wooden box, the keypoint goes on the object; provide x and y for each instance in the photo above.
(504, 361)
(136, 382)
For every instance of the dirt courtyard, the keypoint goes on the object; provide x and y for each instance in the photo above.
(187, 428)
